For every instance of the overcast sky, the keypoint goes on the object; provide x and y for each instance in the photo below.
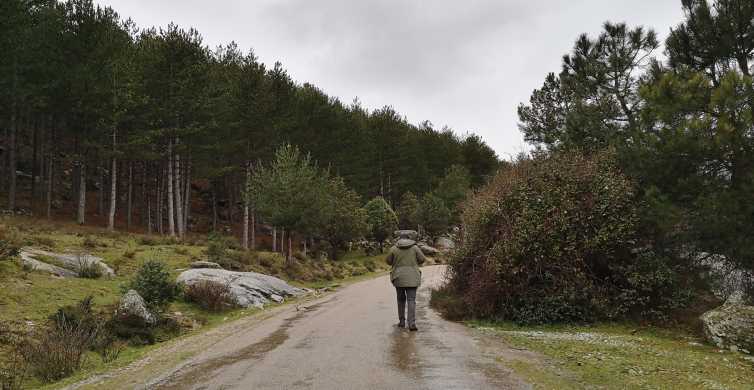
(466, 64)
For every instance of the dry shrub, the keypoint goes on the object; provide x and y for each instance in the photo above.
(10, 242)
(56, 352)
(90, 242)
(210, 295)
(13, 368)
(87, 268)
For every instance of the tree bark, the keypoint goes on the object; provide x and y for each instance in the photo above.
(113, 185)
(274, 239)
(253, 231)
(129, 201)
(282, 241)
(187, 196)
(171, 214)
(214, 207)
(82, 194)
(101, 191)
(245, 240)
(12, 137)
(34, 166)
(177, 191)
(158, 200)
(50, 177)
(289, 256)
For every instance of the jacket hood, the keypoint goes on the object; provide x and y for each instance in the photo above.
(405, 243)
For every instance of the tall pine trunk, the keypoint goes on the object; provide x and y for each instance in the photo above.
(113, 186)
(34, 166)
(274, 239)
(171, 214)
(12, 137)
(129, 201)
(159, 179)
(81, 215)
(50, 177)
(245, 243)
(187, 196)
(289, 255)
(214, 207)
(177, 192)
(253, 231)
(101, 191)
(282, 241)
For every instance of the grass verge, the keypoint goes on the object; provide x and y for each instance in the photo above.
(621, 356)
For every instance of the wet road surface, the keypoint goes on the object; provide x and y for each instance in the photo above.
(348, 341)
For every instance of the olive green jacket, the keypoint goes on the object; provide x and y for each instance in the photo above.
(405, 258)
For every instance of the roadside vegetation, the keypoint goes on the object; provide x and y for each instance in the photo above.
(619, 356)
(633, 212)
(52, 328)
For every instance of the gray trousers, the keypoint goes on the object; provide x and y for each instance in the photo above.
(406, 294)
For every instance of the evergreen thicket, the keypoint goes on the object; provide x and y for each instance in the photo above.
(683, 129)
(151, 129)
(570, 235)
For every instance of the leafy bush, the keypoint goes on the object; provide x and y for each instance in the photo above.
(210, 295)
(219, 251)
(154, 283)
(381, 218)
(554, 239)
(433, 215)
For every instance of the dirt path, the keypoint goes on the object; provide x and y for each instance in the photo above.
(343, 341)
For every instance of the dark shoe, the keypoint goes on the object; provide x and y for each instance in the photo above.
(413, 328)
(401, 324)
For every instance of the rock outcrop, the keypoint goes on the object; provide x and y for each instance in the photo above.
(65, 265)
(249, 289)
(731, 326)
(444, 243)
(205, 264)
(132, 305)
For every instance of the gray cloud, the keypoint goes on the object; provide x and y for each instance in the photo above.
(465, 64)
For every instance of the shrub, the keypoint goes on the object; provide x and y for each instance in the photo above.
(109, 348)
(147, 241)
(87, 268)
(10, 243)
(210, 295)
(13, 366)
(554, 239)
(57, 351)
(154, 283)
(218, 251)
(81, 315)
(90, 242)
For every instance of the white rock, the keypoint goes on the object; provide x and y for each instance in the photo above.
(444, 243)
(205, 264)
(730, 326)
(248, 288)
(71, 264)
(133, 305)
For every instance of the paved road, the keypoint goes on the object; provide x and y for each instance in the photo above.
(348, 341)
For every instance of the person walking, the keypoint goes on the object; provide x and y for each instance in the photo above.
(405, 257)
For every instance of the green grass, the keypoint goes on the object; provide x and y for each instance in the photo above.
(33, 296)
(621, 356)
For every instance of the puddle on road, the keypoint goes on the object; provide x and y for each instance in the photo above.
(193, 374)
